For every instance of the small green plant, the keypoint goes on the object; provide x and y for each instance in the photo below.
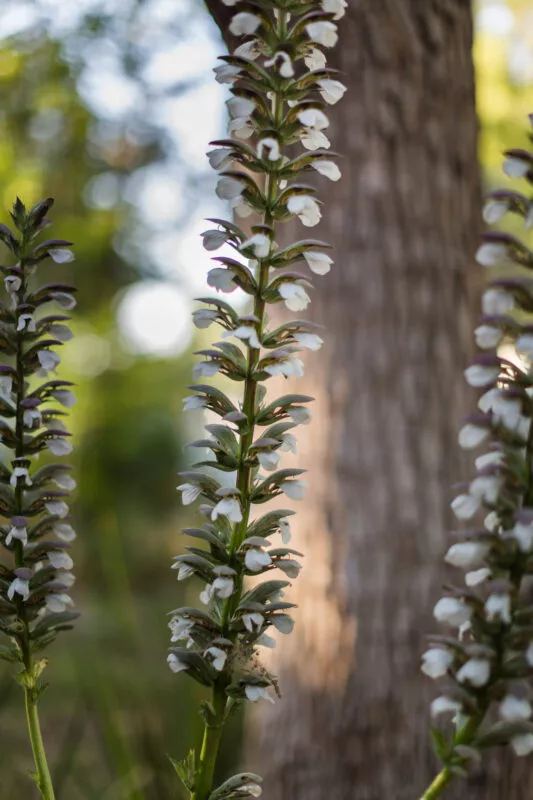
(280, 84)
(486, 669)
(35, 532)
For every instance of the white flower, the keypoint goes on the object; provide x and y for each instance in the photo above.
(309, 340)
(476, 672)
(337, 7)
(331, 91)
(286, 69)
(497, 301)
(6, 387)
(58, 602)
(288, 367)
(492, 521)
(184, 570)
(60, 560)
(477, 576)
(249, 50)
(206, 369)
(57, 508)
(20, 587)
(228, 507)
(181, 630)
(494, 458)
(295, 296)
(319, 263)
(294, 489)
(259, 243)
(464, 506)
(494, 210)
(218, 159)
(452, 611)
(283, 623)
(20, 472)
(190, 493)
(436, 662)
(466, 554)
(313, 118)
(314, 140)
(272, 145)
(306, 209)
(194, 402)
(445, 705)
(315, 59)
(268, 459)
(529, 218)
(175, 664)
(289, 566)
(515, 167)
(241, 208)
(256, 559)
(64, 396)
(26, 322)
(478, 375)
(212, 240)
(490, 253)
(228, 188)
(327, 168)
(522, 744)
(255, 693)
(285, 530)
(12, 284)
(515, 708)
(48, 360)
(246, 333)
(222, 587)
(524, 536)
(30, 416)
(470, 436)
(324, 33)
(244, 24)
(204, 317)
(240, 107)
(488, 337)
(529, 654)
(18, 532)
(59, 446)
(219, 657)
(300, 414)
(226, 73)
(486, 487)
(221, 279)
(253, 619)
(64, 531)
(524, 345)
(288, 443)
(498, 607)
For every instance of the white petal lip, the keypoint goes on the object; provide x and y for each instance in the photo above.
(467, 554)
(452, 611)
(244, 24)
(476, 672)
(436, 661)
(522, 744)
(332, 91)
(490, 253)
(478, 375)
(497, 301)
(324, 33)
(495, 210)
(516, 167)
(328, 169)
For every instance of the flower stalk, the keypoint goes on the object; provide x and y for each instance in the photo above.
(280, 85)
(35, 533)
(487, 666)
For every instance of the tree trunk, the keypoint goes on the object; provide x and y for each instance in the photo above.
(399, 307)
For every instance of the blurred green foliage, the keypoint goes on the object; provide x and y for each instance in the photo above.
(113, 711)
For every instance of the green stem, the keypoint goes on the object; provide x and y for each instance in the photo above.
(42, 777)
(210, 745)
(463, 736)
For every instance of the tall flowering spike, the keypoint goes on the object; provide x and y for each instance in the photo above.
(35, 530)
(281, 88)
(485, 661)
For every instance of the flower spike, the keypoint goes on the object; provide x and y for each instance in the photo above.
(281, 88)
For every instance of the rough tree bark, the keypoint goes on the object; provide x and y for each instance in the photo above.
(398, 306)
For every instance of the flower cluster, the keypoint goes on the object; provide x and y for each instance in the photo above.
(280, 86)
(35, 534)
(486, 669)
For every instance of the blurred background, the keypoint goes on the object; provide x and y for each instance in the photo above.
(108, 107)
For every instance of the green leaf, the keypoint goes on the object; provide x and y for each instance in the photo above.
(440, 744)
